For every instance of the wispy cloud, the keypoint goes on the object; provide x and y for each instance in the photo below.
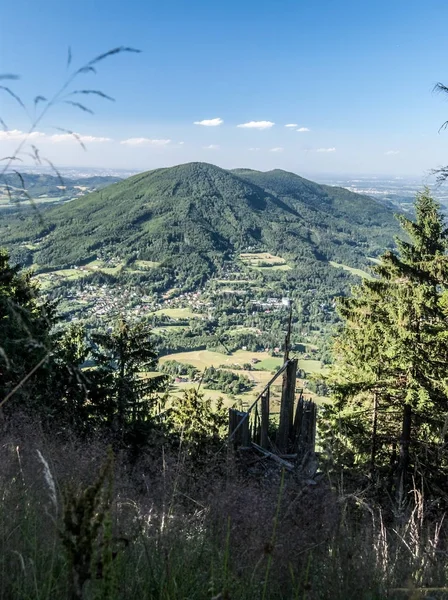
(257, 125)
(326, 150)
(85, 139)
(15, 135)
(141, 141)
(303, 129)
(210, 122)
(291, 125)
(254, 149)
(278, 149)
(211, 147)
(392, 152)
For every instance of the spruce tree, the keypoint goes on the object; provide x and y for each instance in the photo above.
(25, 344)
(122, 391)
(390, 379)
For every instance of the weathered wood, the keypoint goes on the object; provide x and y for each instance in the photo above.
(305, 428)
(287, 406)
(239, 427)
(266, 387)
(403, 460)
(275, 457)
(298, 418)
(264, 439)
(255, 426)
(374, 432)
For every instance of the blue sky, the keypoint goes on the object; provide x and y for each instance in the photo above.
(356, 77)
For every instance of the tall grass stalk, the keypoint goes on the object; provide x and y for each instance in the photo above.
(270, 549)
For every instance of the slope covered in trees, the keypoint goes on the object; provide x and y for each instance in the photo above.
(191, 216)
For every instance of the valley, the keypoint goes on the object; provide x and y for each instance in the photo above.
(212, 259)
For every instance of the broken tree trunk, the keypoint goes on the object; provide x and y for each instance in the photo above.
(287, 406)
(403, 459)
(264, 438)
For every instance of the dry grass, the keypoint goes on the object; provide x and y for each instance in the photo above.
(182, 532)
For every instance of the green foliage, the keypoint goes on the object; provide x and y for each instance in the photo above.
(25, 324)
(123, 394)
(176, 368)
(198, 423)
(85, 533)
(389, 380)
(226, 381)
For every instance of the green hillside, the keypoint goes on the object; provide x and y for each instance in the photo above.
(190, 217)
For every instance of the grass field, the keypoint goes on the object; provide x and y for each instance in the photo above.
(146, 264)
(352, 270)
(260, 375)
(264, 260)
(178, 313)
(74, 274)
(241, 329)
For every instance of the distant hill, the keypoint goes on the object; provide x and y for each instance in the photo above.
(47, 188)
(192, 216)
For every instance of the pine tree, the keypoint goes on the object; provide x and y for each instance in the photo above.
(391, 381)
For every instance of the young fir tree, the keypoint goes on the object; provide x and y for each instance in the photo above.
(122, 391)
(390, 379)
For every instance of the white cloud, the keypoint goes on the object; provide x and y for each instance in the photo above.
(326, 150)
(210, 122)
(85, 139)
(276, 149)
(291, 125)
(211, 147)
(144, 141)
(392, 152)
(17, 136)
(257, 125)
(302, 129)
(254, 149)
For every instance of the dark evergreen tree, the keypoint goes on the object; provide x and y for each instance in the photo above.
(25, 345)
(123, 393)
(391, 381)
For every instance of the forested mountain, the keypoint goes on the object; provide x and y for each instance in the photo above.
(191, 216)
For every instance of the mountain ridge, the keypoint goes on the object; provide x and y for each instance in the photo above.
(200, 210)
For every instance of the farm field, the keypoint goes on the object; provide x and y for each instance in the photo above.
(352, 270)
(146, 264)
(260, 375)
(78, 273)
(178, 313)
(264, 260)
